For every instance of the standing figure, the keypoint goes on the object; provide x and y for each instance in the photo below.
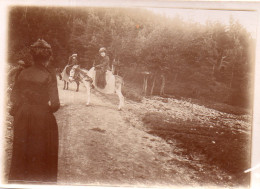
(35, 142)
(101, 66)
(16, 71)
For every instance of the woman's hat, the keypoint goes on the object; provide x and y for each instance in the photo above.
(40, 43)
(41, 50)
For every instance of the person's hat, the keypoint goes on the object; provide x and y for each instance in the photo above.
(41, 49)
(103, 49)
(40, 43)
(74, 55)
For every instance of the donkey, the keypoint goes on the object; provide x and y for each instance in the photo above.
(113, 83)
(65, 78)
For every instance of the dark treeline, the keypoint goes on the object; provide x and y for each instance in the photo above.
(211, 62)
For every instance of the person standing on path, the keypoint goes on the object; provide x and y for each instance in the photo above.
(16, 71)
(35, 141)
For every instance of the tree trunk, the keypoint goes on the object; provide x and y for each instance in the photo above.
(153, 85)
(113, 69)
(219, 59)
(230, 85)
(145, 85)
(213, 70)
(163, 85)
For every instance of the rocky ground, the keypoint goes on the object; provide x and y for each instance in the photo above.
(100, 145)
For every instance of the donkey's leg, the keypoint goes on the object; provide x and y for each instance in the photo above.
(67, 86)
(88, 87)
(120, 96)
(88, 93)
(77, 86)
(64, 85)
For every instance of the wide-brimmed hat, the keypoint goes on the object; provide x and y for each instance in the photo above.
(40, 43)
(74, 55)
(41, 49)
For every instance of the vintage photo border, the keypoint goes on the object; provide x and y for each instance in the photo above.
(238, 5)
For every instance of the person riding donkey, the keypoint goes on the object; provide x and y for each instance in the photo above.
(72, 61)
(101, 66)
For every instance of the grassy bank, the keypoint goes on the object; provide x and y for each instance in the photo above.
(212, 142)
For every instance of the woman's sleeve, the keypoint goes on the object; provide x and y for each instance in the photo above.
(53, 93)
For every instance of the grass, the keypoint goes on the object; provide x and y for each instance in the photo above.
(222, 107)
(132, 90)
(215, 96)
(225, 147)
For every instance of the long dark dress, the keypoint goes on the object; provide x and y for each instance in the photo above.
(101, 65)
(35, 143)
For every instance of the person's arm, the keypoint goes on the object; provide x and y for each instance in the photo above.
(96, 62)
(53, 93)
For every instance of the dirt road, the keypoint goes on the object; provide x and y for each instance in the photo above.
(98, 146)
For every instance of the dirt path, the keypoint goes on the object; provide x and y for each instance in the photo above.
(98, 146)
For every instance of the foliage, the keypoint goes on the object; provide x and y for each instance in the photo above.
(211, 61)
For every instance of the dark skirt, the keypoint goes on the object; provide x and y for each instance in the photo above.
(35, 145)
(101, 78)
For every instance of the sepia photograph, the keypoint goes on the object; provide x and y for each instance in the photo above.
(128, 96)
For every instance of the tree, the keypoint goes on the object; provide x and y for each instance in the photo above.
(202, 61)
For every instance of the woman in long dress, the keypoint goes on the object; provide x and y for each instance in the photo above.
(35, 99)
(101, 66)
